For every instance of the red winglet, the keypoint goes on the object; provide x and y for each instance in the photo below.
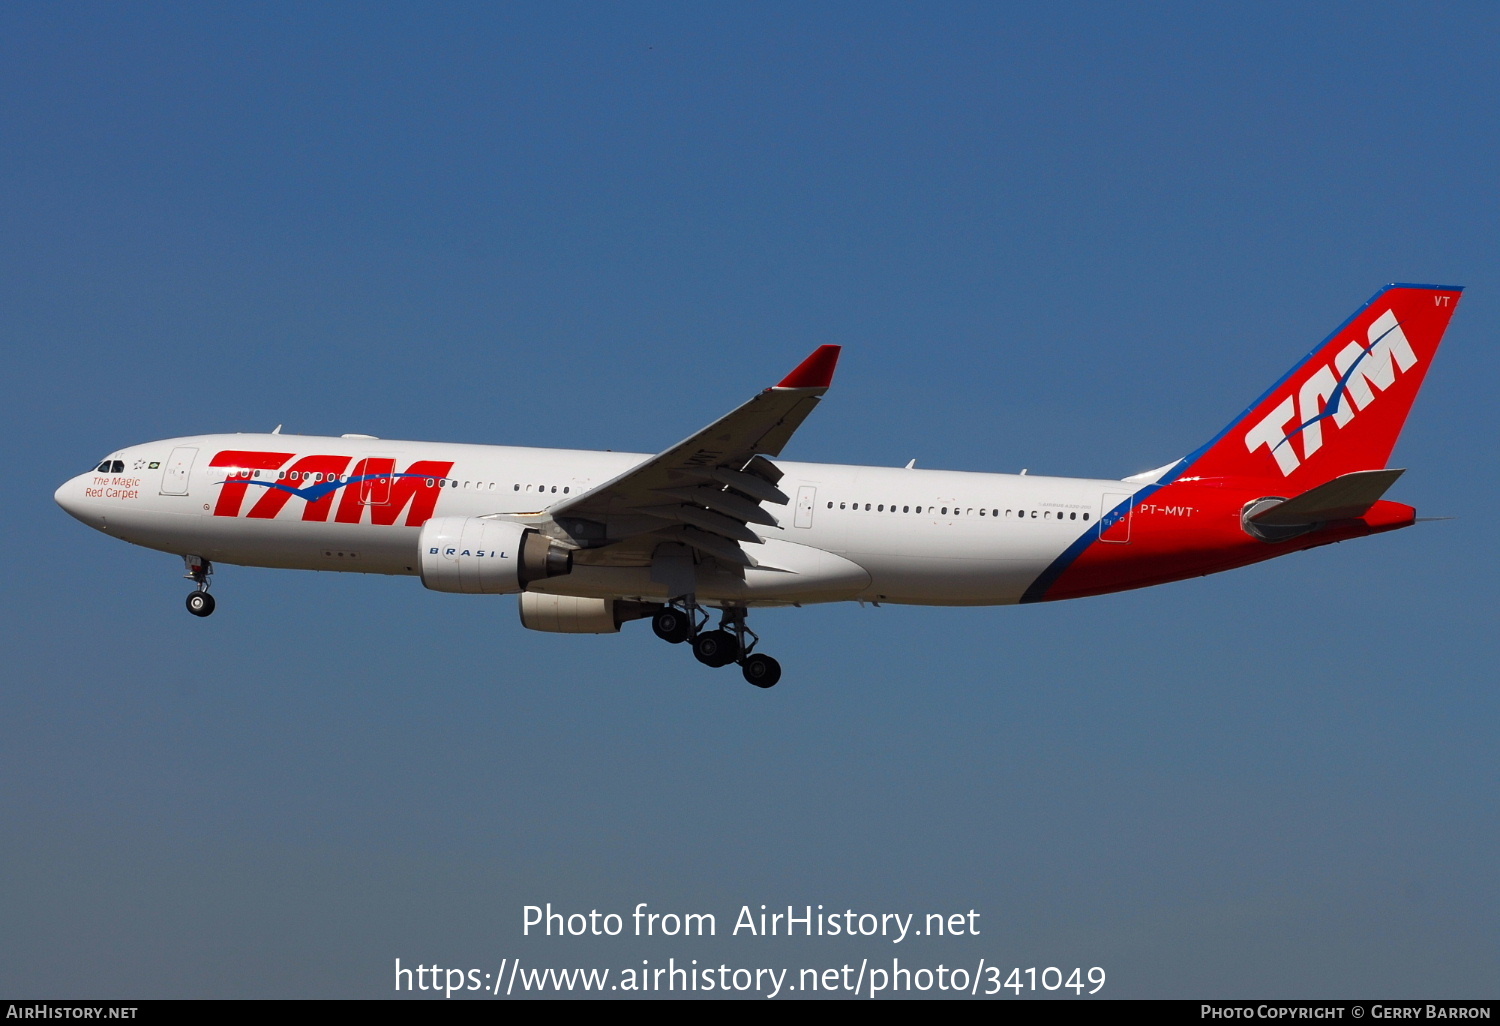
(814, 372)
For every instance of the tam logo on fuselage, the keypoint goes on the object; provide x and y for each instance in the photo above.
(1334, 392)
(372, 484)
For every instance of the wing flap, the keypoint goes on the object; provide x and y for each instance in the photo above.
(706, 519)
(720, 501)
(709, 544)
(755, 485)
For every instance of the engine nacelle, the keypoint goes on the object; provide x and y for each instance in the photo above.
(475, 555)
(566, 614)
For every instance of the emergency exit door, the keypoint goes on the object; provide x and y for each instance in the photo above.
(807, 498)
(174, 476)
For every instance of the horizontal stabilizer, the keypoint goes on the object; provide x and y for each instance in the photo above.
(1345, 497)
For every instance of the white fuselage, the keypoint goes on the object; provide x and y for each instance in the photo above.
(869, 533)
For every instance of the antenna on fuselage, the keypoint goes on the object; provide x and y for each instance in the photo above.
(277, 431)
(911, 465)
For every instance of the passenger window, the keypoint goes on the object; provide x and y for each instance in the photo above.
(1072, 516)
(906, 509)
(880, 508)
(565, 491)
(1085, 516)
(945, 511)
(841, 505)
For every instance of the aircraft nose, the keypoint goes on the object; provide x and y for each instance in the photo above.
(70, 497)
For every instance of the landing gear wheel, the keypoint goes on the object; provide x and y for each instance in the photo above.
(716, 648)
(200, 603)
(672, 625)
(761, 670)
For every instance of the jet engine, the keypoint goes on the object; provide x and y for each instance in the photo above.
(476, 555)
(565, 614)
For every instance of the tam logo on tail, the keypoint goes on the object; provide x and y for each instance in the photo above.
(1336, 392)
(1341, 408)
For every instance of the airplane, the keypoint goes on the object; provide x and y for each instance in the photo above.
(592, 540)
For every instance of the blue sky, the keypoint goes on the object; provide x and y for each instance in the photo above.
(1075, 238)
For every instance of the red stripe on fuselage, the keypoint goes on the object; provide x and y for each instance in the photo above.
(1192, 528)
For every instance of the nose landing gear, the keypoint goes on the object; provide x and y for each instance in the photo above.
(733, 642)
(199, 570)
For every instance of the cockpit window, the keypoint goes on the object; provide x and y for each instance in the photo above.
(111, 467)
(103, 468)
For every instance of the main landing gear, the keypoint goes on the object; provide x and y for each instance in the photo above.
(733, 642)
(199, 570)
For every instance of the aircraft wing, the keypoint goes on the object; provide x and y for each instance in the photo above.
(705, 490)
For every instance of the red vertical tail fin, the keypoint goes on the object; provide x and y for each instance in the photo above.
(1342, 407)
